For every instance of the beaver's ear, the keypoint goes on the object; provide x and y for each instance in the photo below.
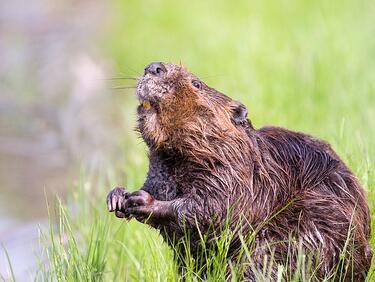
(239, 113)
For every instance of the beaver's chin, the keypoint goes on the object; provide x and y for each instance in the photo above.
(149, 127)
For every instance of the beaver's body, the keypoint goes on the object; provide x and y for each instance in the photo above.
(289, 188)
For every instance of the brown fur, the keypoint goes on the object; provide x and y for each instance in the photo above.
(206, 159)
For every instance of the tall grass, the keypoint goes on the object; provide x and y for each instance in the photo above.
(305, 65)
(83, 243)
(86, 244)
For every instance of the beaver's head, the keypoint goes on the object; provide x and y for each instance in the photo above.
(176, 106)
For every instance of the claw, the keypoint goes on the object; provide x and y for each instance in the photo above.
(115, 199)
(114, 202)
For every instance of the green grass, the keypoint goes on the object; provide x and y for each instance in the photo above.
(305, 65)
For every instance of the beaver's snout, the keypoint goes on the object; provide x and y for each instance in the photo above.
(156, 82)
(157, 69)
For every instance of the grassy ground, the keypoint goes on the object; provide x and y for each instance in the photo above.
(305, 65)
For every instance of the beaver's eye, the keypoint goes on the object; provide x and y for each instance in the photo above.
(197, 84)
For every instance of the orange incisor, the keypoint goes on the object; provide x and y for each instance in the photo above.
(146, 105)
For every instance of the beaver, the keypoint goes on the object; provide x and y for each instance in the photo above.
(209, 165)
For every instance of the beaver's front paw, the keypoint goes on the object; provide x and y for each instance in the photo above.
(140, 205)
(116, 200)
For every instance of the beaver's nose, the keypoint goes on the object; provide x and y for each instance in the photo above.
(155, 69)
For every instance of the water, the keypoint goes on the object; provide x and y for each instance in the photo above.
(55, 113)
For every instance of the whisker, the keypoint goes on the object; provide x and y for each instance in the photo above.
(123, 87)
(119, 78)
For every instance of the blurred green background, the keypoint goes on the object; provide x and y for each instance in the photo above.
(305, 65)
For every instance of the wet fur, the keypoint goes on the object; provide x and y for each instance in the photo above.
(206, 158)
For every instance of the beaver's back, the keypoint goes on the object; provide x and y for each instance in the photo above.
(328, 203)
(309, 162)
